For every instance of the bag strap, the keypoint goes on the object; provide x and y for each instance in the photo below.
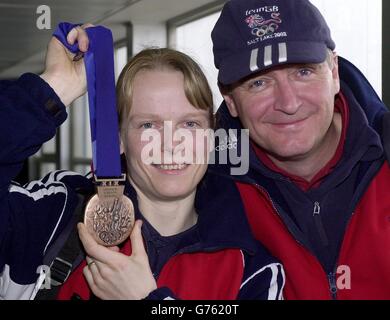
(64, 255)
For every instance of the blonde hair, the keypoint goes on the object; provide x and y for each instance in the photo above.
(196, 87)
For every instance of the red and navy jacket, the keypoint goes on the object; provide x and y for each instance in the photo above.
(219, 261)
(224, 263)
(334, 238)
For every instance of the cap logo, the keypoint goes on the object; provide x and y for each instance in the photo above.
(261, 27)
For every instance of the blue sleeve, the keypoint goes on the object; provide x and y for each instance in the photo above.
(263, 278)
(30, 112)
(31, 216)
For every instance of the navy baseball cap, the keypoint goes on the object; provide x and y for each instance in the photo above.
(255, 35)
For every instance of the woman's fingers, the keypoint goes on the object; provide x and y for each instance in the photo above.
(80, 35)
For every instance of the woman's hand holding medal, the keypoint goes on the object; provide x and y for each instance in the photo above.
(113, 275)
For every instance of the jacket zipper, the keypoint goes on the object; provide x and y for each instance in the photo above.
(321, 230)
(317, 209)
(332, 285)
(276, 210)
(332, 277)
(319, 225)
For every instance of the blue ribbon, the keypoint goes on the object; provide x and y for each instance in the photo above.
(99, 65)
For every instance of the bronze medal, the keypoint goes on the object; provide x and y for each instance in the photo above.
(109, 215)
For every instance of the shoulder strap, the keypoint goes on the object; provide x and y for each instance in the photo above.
(386, 135)
(64, 255)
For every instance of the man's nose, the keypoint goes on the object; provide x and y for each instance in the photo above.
(286, 96)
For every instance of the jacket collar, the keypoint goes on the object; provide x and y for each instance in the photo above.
(365, 95)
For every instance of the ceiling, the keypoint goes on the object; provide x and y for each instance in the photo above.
(22, 45)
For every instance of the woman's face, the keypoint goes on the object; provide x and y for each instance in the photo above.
(162, 138)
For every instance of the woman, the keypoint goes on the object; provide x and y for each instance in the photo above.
(194, 242)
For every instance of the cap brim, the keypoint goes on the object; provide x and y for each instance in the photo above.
(238, 66)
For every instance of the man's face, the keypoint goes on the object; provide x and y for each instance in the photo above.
(288, 109)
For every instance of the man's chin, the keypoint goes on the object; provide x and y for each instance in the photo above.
(291, 153)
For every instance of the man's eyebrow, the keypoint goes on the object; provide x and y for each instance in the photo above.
(318, 65)
(311, 65)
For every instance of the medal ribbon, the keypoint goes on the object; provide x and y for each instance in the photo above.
(99, 65)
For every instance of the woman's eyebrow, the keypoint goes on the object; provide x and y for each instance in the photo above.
(143, 116)
(156, 116)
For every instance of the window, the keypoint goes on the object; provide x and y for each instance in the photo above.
(356, 27)
(191, 34)
(199, 46)
(120, 60)
(79, 151)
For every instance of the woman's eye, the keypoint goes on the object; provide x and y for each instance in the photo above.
(147, 125)
(191, 124)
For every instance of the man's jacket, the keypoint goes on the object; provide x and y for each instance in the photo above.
(354, 200)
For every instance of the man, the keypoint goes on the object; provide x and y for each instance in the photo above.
(317, 192)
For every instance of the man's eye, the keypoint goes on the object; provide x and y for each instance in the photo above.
(304, 72)
(257, 83)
